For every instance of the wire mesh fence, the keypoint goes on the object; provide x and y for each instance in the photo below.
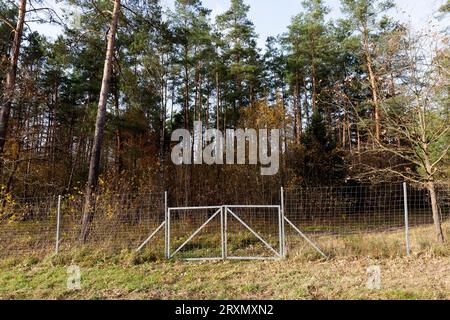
(120, 221)
(329, 214)
(346, 210)
(280, 222)
(421, 222)
(27, 225)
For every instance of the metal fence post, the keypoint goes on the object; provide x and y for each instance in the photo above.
(58, 220)
(225, 231)
(405, 205)
(222, 231)
(283, 235)
(166, 228)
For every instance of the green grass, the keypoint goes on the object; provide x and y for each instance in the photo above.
(304, 274)
(126, 277)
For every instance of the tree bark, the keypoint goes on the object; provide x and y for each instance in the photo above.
(11, 76)
(186, 89)
(207, 111)
(217, 101)
(94, 165)
(373, 85)
(298, 109)
(314, 79)
(435, 210)
(118, 131)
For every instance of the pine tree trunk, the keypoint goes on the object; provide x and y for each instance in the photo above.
(217, 101)
(298, 109)
(94, 165)
(186, 90)
(11, 76)
(373, 86)
(118, 132)
(207, 112)
(314, 88)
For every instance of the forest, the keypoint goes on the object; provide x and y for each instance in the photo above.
(350, 199)
(360, 99)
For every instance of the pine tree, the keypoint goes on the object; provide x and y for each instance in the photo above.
(364, 15)
(192, 41)
(308, 41)
(242, 57)
(11, 73)
(94, 165)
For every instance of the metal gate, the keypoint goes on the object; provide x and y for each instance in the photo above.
(247, 232)
(224, 232)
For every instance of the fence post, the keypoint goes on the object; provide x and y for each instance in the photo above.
(225, 231)
(222, 231)
(405, 206)
(166, 227)
(58, 220)
(283, 235)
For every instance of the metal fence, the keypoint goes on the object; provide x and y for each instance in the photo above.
(308, 216)
(44, 225)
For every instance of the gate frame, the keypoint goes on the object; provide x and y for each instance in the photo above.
(219, 211)
(278, 255)
(223, 211)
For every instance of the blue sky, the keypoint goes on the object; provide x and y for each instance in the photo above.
(271, 17)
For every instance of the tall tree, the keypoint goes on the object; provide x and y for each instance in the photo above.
(315, 43)
(296, 69)
(365, 15)
(308, 44)
(418, 115)
(241, 55)
(94, 165)
(192, 37)
(8, 94)
(275, 80)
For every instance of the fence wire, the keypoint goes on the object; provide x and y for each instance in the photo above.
(421, 224)
(346, 210)
(27, 225)
(328, 214)
(120, 221)
(125, 221)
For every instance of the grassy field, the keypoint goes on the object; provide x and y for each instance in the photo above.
(303, 275)
(423, 277)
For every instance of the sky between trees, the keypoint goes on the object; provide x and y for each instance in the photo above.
(273, 17)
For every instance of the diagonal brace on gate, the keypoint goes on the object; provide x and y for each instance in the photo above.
(253, 232)
(196, 232)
